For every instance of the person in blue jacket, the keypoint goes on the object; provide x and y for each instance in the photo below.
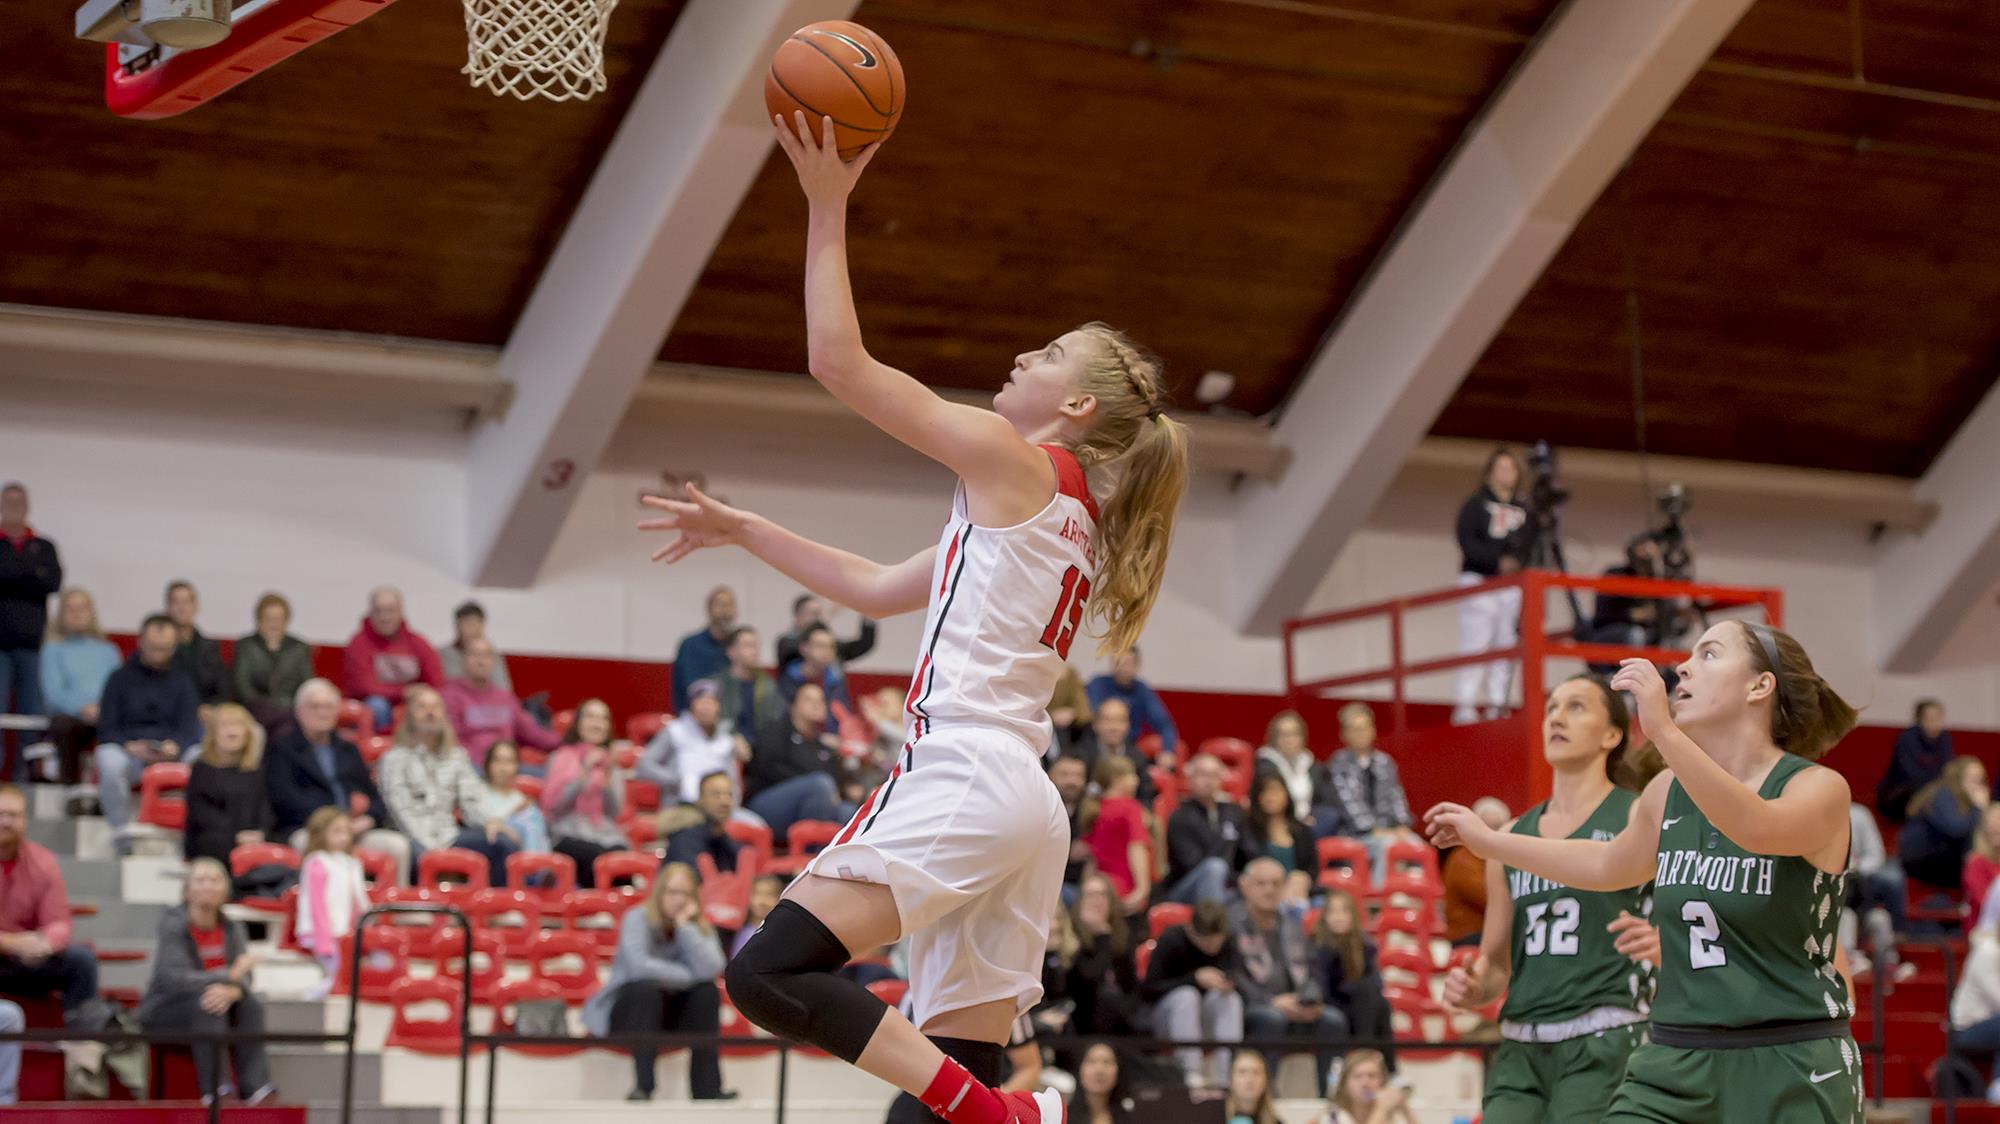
(1149, 714)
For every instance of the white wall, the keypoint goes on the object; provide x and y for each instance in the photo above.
(252, 498)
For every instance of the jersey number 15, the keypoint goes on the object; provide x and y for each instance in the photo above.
(1061, 632)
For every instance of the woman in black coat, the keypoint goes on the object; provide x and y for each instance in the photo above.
(201, 982)
(228, 804)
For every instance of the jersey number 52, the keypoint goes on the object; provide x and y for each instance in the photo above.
(1061, 632)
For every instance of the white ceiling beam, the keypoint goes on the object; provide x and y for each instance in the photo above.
(1591, 87)
(683, 158)
(1926, 583)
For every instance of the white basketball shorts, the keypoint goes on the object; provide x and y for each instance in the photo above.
(971, 838)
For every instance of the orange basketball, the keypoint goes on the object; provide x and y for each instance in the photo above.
(842, 70)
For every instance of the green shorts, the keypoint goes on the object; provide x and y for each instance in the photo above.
(1557, 1082)
(1816, 1082)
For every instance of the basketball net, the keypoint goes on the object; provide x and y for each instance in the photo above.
(550, 49)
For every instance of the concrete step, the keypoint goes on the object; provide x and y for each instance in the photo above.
(118, 921)
(313, 1073)
(90, 879)
(328, 1112)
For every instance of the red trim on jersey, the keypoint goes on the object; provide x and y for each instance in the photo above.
(1070, 480)
(861, 813)
(917, 680)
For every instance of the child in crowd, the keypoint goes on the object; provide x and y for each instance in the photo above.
(1363, 1094)
(507, 803)
(333, 891)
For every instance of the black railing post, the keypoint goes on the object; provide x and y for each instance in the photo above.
(784, 1072)
(354, 1001)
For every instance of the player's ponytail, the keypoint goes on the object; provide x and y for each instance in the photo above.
(1807, 715)
(1145, 453)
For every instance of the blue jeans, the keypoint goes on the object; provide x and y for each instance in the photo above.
(12, 1021)
(1981, 1037)
(1330, 1028)
(812, 796)
(117, 773)
(1888, 888)
(1207, 882)
(383, 709)
(20, 680)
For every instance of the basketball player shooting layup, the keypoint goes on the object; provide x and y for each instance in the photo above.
(1066, 498)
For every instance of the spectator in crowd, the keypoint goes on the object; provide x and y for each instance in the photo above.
(793, 773)
(1345, 964)
(1276, 835)
(385, 656)
(1069, 711)
(468, 623)
(1208, 838)
(1120, 842)
(698, 741)
(201, 983)
(750, 697)
(271, 664)
(77, 662)
(149, 714)
(1464, 877)
(198, 656)
(30, 573)
(1147, 712)
(430, 786)
(36, 956)
(1282, 997)
(333, 891)
(816, 664)
(883, 720)
(585, 792)
(1364, 1095)
(1919, 758)
(483, 712)
(1101, 1097)
(701, 827)
(1191, 983)
(1100, 980)
(1066, 774)
(309, 766)
(1943, 816)
(1878, 893)
(1490, 542)
(1286, 756)
(765, 893)
(12, 1021)
(663, 980)
(1975, 1004)
(1249, 1099)
(704, 654)
(808, 611)
(504, 800)
(1981, 865)
(1628, 621)
(227, 803)
(1110, 735)
(1368, 800)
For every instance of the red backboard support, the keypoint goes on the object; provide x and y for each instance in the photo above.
(263, 39)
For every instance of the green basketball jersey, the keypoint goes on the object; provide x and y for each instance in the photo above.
(1563, 958)
(1744, 938)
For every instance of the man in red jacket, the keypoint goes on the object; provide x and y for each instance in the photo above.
(384, 657)
(36, 957)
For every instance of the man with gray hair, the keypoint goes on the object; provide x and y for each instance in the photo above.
(1282, 996)
(310, 766)
(384, 656)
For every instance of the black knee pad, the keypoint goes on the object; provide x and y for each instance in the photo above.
(783, 981)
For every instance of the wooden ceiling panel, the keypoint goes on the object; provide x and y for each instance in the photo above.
(1218, 190)
(362, 185)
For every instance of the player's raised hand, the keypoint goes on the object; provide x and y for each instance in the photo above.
(1649, 694)
(1455, 825)
(1464, 987)
(702, 521)
(1636, 938)
(825, 177)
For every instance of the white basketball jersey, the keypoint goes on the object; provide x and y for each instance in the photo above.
(1006, 603)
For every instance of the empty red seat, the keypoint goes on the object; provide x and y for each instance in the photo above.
(1416, 1015)
(163, 795)
(454, 873)
(642, 798)
(567, 959)
(1343, 863)
(1405, 854)
(596, 914)
(507, 997)
(356, 721)
(489, 955)
(549, 877)
(1165, 916)
(247, 857)
(630, 872)
(641, 727)
(379, 869)
(385, 960)
(1406, 968)
(438, 1035)
(802, 842)
(374, 749)
(753, 838)
(511, 914)
(1234, 753)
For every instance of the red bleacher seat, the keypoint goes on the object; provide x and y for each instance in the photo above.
(596, 913)
(556, 873)
(530, 787)
(725, 898)
(511, 914)
(756, 842)
(385, 960)
(379, 868)
(629, 872)
(642, 798)
(803, 841)
(890, 991)
(1343, 863)
(1417, 1015)
(413, 895)
(1152, 745)
(642, 832)
(506, 999)
(356, 721)
(375, 747)
(1165, 916)
(1234, 753)
(163, 795)
(1406, 853)
(425, 1036)
(1406, 968)
(1409, 927)
(1408, 891)
(640, 728)
(248, 857)
(1143, 956)
(454, 873)
(567, 959)
(489, 958)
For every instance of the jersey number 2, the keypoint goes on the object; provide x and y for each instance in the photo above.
(1704, 936)
(1061, 632)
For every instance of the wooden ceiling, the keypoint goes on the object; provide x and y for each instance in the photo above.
(1816, 260)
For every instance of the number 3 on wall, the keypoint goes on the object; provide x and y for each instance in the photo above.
(1061, 632)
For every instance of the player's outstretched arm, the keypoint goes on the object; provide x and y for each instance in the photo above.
(979, 445)
(1808, 818)
(1625, 861)
(873, 588)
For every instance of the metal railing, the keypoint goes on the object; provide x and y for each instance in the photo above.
(354, 999)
